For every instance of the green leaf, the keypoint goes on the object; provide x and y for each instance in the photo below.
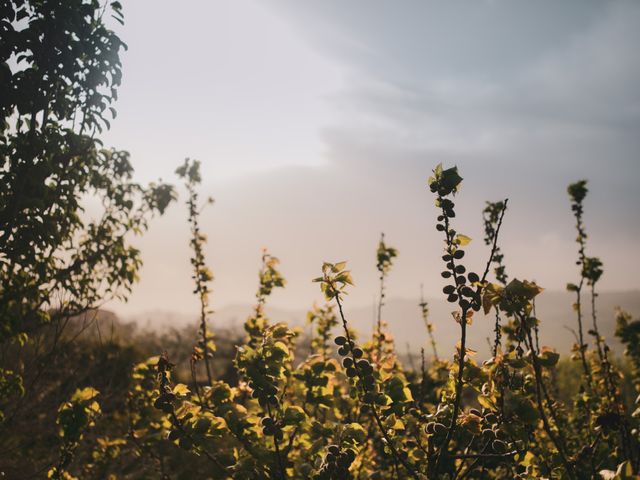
(548, 358)
(450, 179)
(294, 415)
(355, 432)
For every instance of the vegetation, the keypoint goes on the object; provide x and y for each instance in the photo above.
(77, 402)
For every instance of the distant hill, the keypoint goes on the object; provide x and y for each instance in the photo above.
(554, 308)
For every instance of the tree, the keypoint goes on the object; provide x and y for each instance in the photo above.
(59, 72)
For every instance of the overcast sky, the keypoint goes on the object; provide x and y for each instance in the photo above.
(318, 123)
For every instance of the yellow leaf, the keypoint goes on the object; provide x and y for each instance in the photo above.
(180, 390)
(462, 240)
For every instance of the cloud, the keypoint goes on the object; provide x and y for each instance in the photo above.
(525, 97)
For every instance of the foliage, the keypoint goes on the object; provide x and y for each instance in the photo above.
(74, 416)
(59, 70)
(360, 413)
(268, 406)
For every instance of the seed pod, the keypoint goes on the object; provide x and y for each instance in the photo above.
(460, 269)
(333, 449)
(347, 362)
(445, 274)
(452, 298)
(458, 254)
(351, 372)
(340, 340)
(343, 350)
(439, 227)
(473, 277)
(357, 352)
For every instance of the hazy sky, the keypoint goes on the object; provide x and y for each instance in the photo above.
(318, 123)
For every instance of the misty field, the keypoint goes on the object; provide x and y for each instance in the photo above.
(85, 395)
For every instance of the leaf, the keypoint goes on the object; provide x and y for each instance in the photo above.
(523, 408)
(462, 240)
(345, 277)
(355, 432)
(84, 395)
(486, 402)
(449, 179)
(180, 390)
(491, 295)
(572, 287)
(625, 471)
(280, 350)
(340, 266)
(548, 358)
(294, 415)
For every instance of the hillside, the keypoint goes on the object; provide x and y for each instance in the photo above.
(403, 315)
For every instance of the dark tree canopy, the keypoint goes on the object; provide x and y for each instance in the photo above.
(59, 69)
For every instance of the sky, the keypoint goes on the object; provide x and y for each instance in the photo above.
(318, 123)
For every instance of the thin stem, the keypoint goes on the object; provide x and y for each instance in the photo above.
(374, 411)
(578, 305)
(379, 319)
(463, 332)
(276, 443)
(201, 287)
(425, 317)
(545, 421)
(214, 460)
(494, 246)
